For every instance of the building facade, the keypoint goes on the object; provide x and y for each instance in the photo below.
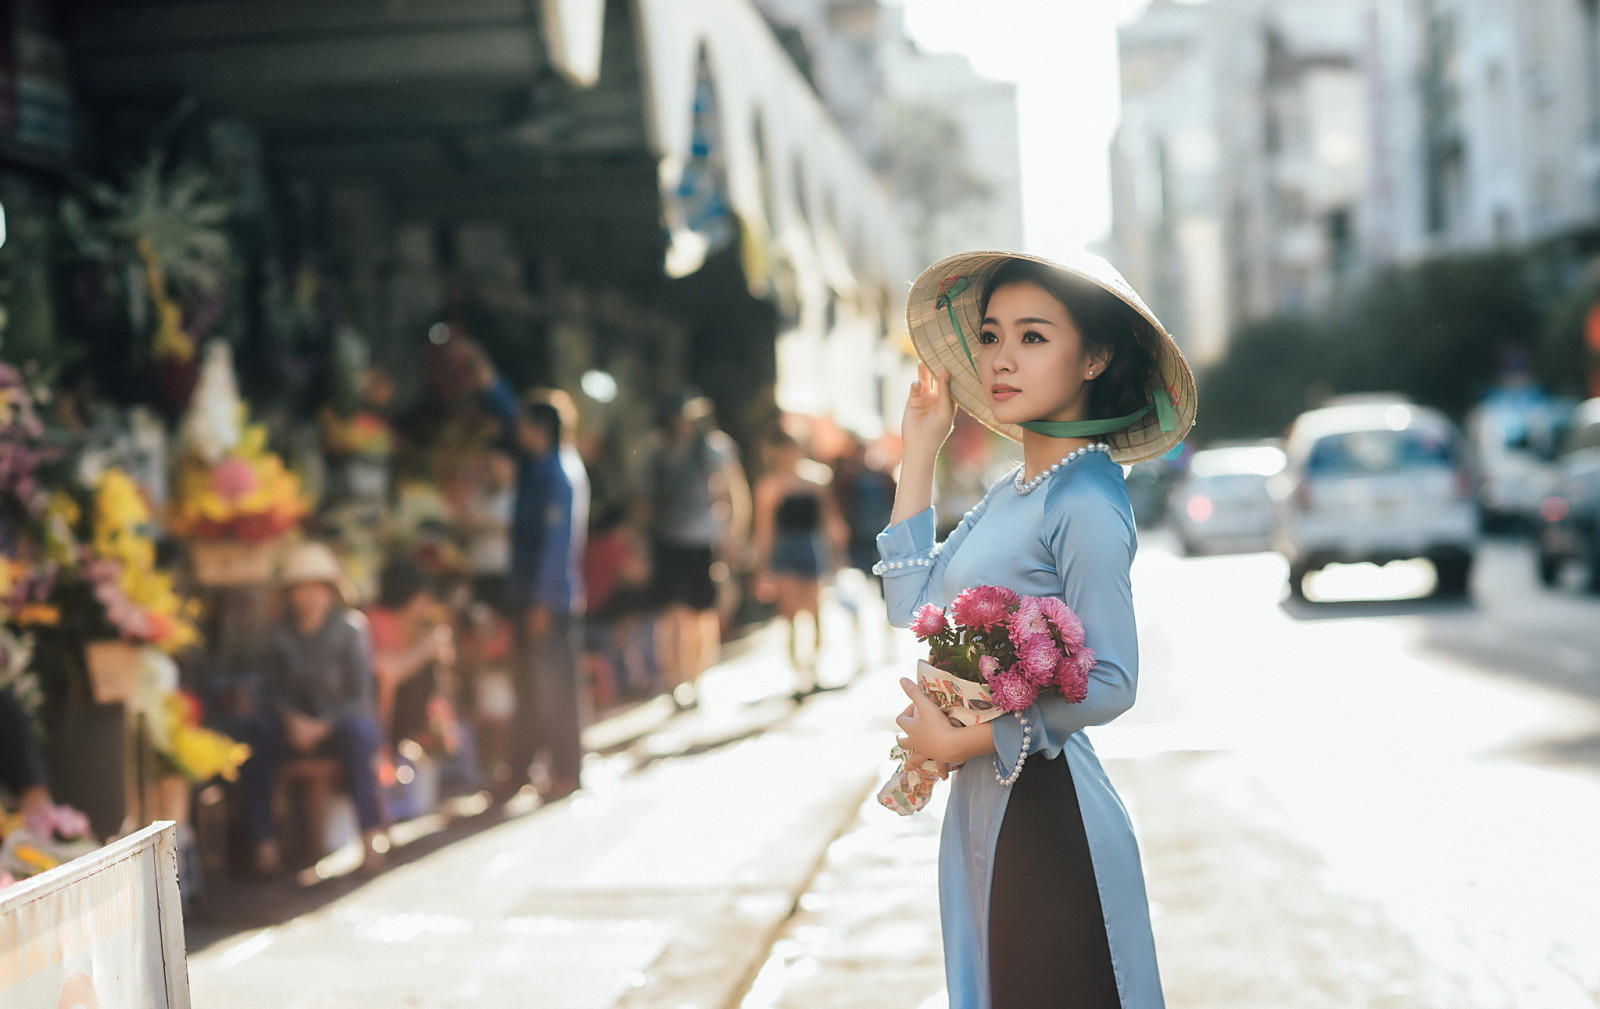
(1353, 134)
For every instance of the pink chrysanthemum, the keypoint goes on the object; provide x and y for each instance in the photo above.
(1065, 622)
(1037, 659)
(983, 607)
(928, 621)
(1012, 690)
(1072, 675)
(988, 666)
(1028, 620)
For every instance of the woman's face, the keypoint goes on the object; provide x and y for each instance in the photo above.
(311, 603)
(1032, 358)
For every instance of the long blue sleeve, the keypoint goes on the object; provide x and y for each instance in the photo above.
(914, 564)
(1089, 531)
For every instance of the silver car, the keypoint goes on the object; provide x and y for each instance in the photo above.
(1379, 482)
(1222, 503)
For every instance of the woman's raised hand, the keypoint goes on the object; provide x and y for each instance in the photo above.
(930, 413)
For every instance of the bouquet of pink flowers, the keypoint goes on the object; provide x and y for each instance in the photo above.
(995, 652)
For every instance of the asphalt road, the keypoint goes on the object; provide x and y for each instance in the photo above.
(1369, 801)
(1430, 771)
(1375, 800)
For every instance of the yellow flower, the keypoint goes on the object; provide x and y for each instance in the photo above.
(38, 615)
(201, 753)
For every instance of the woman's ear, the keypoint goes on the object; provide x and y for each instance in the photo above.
(1099, 360)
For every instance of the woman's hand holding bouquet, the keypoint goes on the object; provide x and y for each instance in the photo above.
(995, 653)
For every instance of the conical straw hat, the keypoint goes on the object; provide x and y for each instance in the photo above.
(944, 317)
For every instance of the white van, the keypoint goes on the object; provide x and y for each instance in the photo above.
(1376, 481)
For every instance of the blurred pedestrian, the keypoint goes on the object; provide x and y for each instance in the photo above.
(798, 532)
(549, 525)
(1041, 892)
(484, 519)
(699, 510)
(413, 649)
(616, 578)
(319, 693)
(864, 493)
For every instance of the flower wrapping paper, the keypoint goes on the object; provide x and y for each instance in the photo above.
(965, 703)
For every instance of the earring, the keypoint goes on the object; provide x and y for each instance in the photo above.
(1091, 373)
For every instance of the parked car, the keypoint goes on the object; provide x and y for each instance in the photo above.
(1376, 481)
(1514, 434)
(1569, 518)
(1222, 501)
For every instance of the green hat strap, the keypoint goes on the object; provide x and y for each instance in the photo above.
(1162, 401)
(947, 301)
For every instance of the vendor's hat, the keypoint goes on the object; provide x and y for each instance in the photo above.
(945, 318)
(314, 562)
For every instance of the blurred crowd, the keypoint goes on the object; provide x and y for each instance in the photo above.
(535, 603)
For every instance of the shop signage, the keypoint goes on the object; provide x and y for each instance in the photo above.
(102, 931)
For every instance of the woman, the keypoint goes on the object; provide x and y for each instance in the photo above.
(319, 693)
(1041, 892)
(796, 526)
(699, 515)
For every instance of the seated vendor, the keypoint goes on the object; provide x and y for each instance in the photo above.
(319, 700)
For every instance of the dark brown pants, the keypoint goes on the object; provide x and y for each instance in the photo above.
(1047, 934)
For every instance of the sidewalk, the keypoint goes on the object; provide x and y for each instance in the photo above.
(663, 883)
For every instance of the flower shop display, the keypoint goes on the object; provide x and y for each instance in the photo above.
(235, 499)
(361, 444)
(995, 652)
(110, 594)
(180, 750)
(27, 574)
(22, 446)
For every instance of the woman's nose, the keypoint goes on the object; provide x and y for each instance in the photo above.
(1000, 358)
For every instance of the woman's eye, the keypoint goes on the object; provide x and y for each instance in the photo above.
(987, 337)
(1032, 337)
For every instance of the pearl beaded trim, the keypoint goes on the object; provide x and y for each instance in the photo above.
(884, 567)
(1027, 488)
(1016, 770)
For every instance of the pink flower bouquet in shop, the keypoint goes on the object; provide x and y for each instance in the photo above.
(996, 652)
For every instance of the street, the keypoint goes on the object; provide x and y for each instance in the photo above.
(1387, 803)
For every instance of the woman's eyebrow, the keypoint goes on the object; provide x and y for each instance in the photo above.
(992, 321)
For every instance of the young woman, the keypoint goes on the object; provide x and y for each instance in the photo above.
(1041, 892)
(798, 531)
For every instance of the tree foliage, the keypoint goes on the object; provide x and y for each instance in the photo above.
(1274, 369)
(1440, 332)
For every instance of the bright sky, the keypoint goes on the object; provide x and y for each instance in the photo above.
(1063, 56)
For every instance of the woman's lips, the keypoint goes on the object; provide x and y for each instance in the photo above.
(1003, 392)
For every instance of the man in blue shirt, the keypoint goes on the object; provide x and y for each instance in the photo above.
(549, 527)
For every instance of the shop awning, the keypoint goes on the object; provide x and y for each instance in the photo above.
(800, 181)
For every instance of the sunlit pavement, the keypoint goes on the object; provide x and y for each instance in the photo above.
(1345, 803)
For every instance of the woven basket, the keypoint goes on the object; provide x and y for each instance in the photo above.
(232, 562)
(113, 670)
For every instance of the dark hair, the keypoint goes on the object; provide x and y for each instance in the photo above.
(1105, 321)
(546, 418)
(400, 582)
